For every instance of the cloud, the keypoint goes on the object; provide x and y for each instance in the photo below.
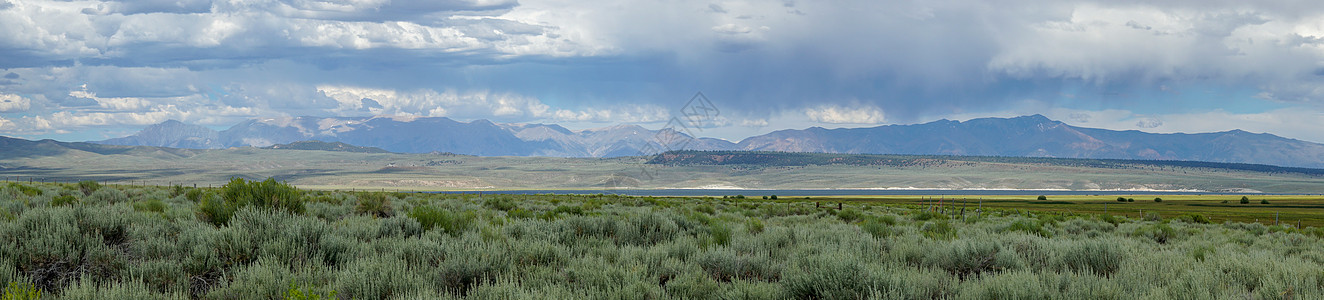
(1147, 123)
(598, 62)
(10, 103)
(843, 115)
(754, 123)
(477, 104)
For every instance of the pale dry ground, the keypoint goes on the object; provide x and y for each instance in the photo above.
(437, 172)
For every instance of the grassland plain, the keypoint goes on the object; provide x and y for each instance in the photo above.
(1308, 211)
(258, 240)
(345, 170)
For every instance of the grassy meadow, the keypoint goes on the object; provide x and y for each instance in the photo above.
(264, 240)
(1306, 210)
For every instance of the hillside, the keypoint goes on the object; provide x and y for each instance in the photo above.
(325, 146)
(49, 160)
(1028, 136)
(1038, 136)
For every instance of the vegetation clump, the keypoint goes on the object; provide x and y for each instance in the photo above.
(375, 204)
(156, 243)
(239, 193)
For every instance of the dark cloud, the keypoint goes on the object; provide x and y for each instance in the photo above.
(912, 60)
(1147, 123)
(11, 75)
(1079, 118)
(129, 7)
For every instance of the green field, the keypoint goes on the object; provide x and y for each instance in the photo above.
(252, 240)
(1293, 209)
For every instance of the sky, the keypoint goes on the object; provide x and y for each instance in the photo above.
(90, 70)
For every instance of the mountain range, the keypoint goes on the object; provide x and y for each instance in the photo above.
(1026, 136)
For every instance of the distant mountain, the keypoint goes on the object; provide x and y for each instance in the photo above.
(416, 135)
(1038, 136)
(325, 146)
(11, 148)
(173, 134)
(1028, 136)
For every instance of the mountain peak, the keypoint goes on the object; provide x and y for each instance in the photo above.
(1035, 117)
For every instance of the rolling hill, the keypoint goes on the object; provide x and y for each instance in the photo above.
(1027, 136)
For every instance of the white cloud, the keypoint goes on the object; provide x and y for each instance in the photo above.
(13, 103)
(478, 104)
(843, 115)
(754, 122)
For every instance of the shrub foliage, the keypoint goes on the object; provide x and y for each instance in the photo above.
(259, 240)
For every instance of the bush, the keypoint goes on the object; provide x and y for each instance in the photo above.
(374, 204)
(1035, 227)
(267, 194)
(295, 293)
(1264, 201)
(26, 190)
(876, 228)
(720, 233)
(1100, 257)
(107, 196)
(1245, 200)
(645, 230)
(1152, 216)
(498, 203)
(153, 205)
(1130, 199)
(1121, 199)
(215, 210)
(1157, 199)
(827, 278)
(1042, 197)
(754, 226)
(88, 186)
(1194, 218)
(938, 230)
(925, 216)
(194, 195)
(64, 200)
(239, 193)
(452, 223)
(773, 197)
(20, 291)
(1159, 233)
(850, 215)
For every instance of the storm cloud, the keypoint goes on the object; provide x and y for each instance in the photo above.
(89, 69)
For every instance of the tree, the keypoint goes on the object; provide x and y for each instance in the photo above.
(1157, 199)
(1042, 197)
(1245, 200)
